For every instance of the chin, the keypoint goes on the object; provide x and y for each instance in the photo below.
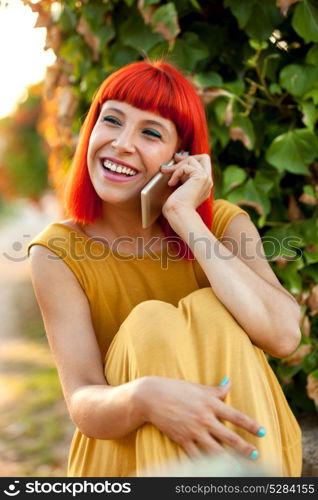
(115, 198)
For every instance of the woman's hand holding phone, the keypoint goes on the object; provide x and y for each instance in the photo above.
(195, 174)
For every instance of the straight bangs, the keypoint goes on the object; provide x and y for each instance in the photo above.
(154, 91)
(157, 87)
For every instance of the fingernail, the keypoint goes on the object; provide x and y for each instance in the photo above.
(261, 432)
(254, 455)
(225, 381)
(186, 153)
(178, 154)
(164, 165)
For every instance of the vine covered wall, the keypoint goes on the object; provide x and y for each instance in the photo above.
(255, 65)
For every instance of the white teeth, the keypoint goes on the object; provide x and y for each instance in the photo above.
(117, 168)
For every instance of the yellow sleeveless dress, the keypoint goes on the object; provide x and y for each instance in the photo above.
(158, 315)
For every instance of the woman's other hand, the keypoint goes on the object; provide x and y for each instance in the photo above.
(191, 415)
(195, 173)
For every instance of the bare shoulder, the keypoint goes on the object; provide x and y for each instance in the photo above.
(56, 287)
(46, 265)
(70, 223)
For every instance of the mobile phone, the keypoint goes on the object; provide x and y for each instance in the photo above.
(153, 196)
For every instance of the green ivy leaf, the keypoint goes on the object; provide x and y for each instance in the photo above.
(136, 34)
(119, 54)
(258, 19)
(308, 189)
(105, 34)
(315, 374)
(297, 79)
(189, 50)
(312, 256)
(233, 176)
(290, 276)
(94, 15)
(242, 129)
(310, 362)
(263, 182)
(219, 134)
(241, 10)
(274, 88)
(236, 87)
(309, 228)
(159, 50)
(76, 52)
(309, 112)
(212, 35)
(312, 55)
(311, 272)
(312, 94)
(219, 108)
(284, 241)
(305, 20)
(165, 18)
(209, 79)
(287, 372)
(196, 5)
(249, 195)
(293, 151)
(68, 19)
(256, 45)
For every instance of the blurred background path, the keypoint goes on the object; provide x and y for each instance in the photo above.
(35, 429)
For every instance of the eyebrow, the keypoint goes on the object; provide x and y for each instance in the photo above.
(150, 122)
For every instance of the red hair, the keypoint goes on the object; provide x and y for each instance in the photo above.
(155, 86)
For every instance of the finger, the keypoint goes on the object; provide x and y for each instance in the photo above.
(231, 438)
(192, 451)
(182, 170)
(180, 156)
(222, 390)
(205, 162)
(236, 417)
(211, 445)
(187, 161)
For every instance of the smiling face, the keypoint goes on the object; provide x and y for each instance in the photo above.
(128, 136)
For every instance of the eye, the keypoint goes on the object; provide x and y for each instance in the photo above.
(111, 119)
(153, 133)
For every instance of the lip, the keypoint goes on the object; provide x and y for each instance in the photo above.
(108, 174)
(119, 162)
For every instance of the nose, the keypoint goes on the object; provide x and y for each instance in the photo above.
(124, 142)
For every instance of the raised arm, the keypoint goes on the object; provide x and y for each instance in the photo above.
(99, 410)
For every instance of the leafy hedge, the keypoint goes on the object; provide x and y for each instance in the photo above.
(23, 166)
(255, 64)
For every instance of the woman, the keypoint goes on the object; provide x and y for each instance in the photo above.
(143, 336)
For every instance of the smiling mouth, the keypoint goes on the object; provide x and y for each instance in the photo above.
(118, 169)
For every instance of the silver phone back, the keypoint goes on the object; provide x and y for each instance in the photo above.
(153, 196)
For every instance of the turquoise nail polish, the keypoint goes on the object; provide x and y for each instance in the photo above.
(187, 153)
(165, 165)
(225, 381)
(178, 154)
(261, 432)
(253, 455)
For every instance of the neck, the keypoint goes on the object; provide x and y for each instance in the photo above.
(120, 222)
